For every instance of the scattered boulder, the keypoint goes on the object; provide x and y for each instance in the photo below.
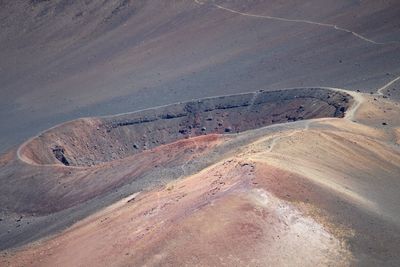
(228, 130)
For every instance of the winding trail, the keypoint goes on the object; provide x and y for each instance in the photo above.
(327, 25)
(380, 90)
(275, 140)
(349, 115)
(253, 99)
(358, 100)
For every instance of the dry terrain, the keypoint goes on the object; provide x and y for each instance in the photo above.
(288, 156)
(312, 192)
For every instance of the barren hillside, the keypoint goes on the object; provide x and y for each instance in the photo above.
(199, 133)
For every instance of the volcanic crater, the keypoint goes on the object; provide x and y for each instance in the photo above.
(92, 141)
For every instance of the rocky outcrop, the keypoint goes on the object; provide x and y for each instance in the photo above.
(59, 152)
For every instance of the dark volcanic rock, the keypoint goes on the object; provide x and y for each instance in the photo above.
(58, 152)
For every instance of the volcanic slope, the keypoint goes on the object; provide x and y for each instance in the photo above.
(321, 191)
(62, 60)
(75, 168)
(324, 191)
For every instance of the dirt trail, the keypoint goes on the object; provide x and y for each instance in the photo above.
(380, 90)
(349, 115)
(327, 25)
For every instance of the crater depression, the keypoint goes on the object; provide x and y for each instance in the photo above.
(92, 141)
